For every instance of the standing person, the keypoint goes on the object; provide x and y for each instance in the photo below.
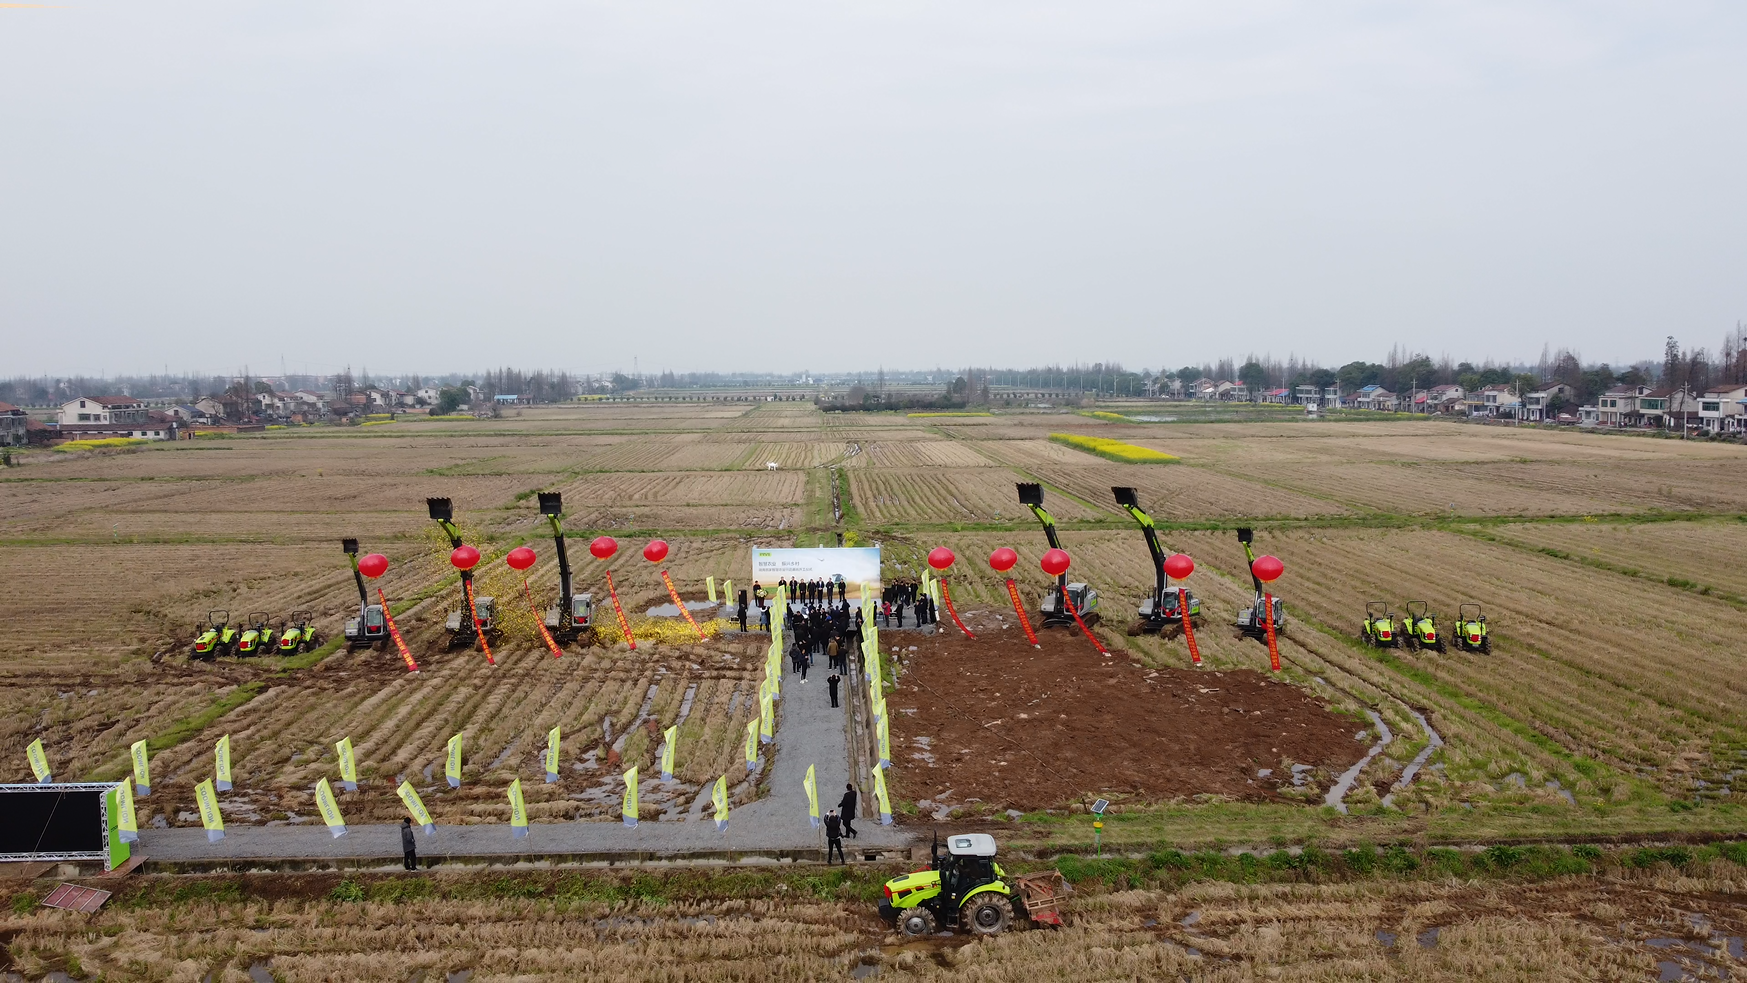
(408, 845)
(742, 609)
(899, 608)
(764, 619)
(847, 807)
(834, 838)
(806, 660)
(832, 681)
(831, 651)
(843, 591)
(758, 595)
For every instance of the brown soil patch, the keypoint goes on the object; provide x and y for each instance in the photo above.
(998, 721)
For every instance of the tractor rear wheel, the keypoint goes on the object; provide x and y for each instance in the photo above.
(916, 922)
(987, 916)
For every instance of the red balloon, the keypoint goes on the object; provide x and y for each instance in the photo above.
(940, 558)
(373, 566)
(1268, 568)
(1055, 562)
(520, 558)
(656, 551)
(464, 557)
(603, 547)
(1003, 559)
(1178, 566)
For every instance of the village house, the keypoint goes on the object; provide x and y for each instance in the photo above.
(1720, 409)
(1667, 409)
(1445, 399)
(1373, 397)
(1331, 397)
(102, 409)
(14, 426)
(428, 396)
(1499, 400)
(1538, 404)
(1307, 395)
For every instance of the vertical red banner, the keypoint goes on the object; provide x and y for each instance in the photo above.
(623, 627)
(946, 595)
(540, 622)
(478, 629)
(1076, 613)
(1273, 647)
(1188, 626)
(1019, 609)
(671, 592)
(394, 633)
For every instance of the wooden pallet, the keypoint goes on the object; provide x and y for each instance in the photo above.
(125, 869)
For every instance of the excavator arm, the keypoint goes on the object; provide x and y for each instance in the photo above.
(1126, 498)
(350, 546)
(552, 506)
(1031, 496)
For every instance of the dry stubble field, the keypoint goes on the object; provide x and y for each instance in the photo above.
(1609, 706)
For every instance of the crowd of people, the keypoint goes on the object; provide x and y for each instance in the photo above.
(898, 600)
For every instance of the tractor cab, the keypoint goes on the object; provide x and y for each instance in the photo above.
(1253, 620)
(370, 627)
(1082, 596)
(1172, 608)
(1422, 627)
(1378, 629)
(1471, 628)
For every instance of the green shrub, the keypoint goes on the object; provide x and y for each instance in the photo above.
(347, 890)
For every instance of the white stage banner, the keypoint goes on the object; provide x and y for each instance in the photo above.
(856, 565)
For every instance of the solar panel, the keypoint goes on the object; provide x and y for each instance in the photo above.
(72, 897)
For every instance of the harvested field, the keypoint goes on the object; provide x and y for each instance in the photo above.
(1002, 725)
(1621, 925)
(934, 495)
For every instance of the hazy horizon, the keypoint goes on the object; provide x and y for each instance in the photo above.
(773, 187)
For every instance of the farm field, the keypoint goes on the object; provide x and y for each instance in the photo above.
(1610, 704)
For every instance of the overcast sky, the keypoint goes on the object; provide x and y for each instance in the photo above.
(440, 186)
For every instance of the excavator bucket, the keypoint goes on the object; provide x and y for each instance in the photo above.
(1125, 497)
(1030, 494)
(551, 503)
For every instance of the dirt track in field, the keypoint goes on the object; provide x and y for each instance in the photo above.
(998, 722)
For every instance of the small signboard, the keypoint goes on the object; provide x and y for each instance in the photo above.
(1099, 806)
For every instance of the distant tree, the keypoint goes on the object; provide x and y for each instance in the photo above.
(1188, 374)
(449, 399)
(261, 386)
(1321, 378)
(1593, 383)
(1672, 363)
(623, 383)
(1358, 375)
(1633, 377)
(1253, 375)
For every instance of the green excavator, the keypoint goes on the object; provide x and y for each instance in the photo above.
(1253, 620)
(370, 627)
(474, 615)
(565, 621)
(1053, 612)
(1163, 611)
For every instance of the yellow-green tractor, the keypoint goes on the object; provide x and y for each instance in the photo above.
(1471, 629)
(258, 637)
(1422, 627)
(299, 634)
(1378, 629)
(966, 888)
(216, 639)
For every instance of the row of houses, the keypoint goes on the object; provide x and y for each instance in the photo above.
(1718, 410)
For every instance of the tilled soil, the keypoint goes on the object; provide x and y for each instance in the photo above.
(998, 722)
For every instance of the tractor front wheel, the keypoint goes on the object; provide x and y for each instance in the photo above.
(987, 916)
(917, 922)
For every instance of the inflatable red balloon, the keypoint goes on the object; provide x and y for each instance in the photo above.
(1003, 559)
(940, 558)
(656, 551)
(603, 547)
(464, 557)
(520, 558)
(1055, 562)
(1268, 568)
(373, 566)
(1178, 566)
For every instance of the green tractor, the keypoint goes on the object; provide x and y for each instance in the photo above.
(967, 888)
(1471, 629)
(1378, 631)
(258, 636)
(217, 638)
(299, 634)
(1422, 627)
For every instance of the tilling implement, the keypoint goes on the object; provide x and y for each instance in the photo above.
(1378, 629)
(1163, 611)
(1471, 628)
(370, 627)
(1053, 609)
(967, 889)
(569, 617)
(1422, 627)
(299, 634)
(1253, 621)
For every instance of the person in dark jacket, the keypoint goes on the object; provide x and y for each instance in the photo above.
(847, 807)
(408, 845)
(832, 681)
(834, 838)
(742, 609)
